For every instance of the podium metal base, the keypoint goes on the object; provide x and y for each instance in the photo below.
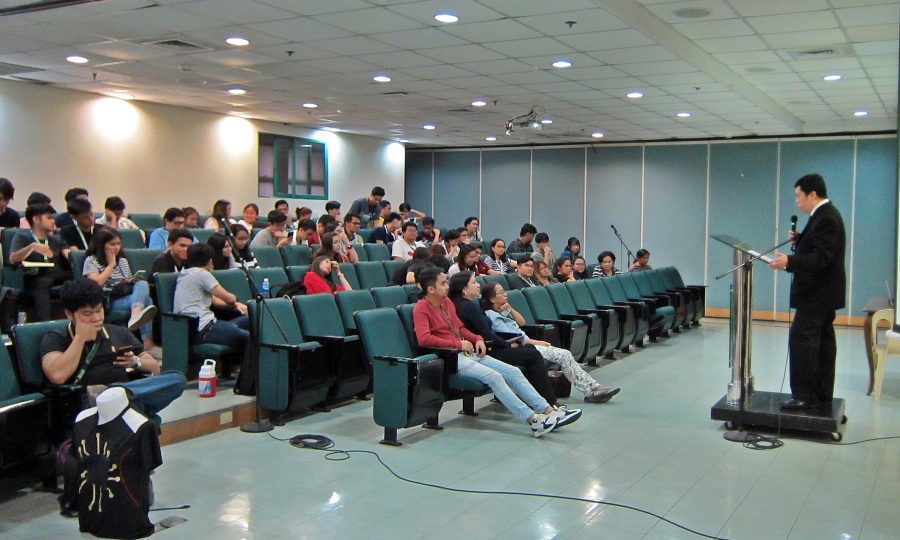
(762, 409)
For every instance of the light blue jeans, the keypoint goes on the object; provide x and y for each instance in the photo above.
(507, 382)
(139, 297)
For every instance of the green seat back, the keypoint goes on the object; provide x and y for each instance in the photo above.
(371, 274)
(294, 255)
(365, 233)
(589, 270)
(409, 289)
(76, 261)
(234, 281)
(349, 302)
(9, 382)
(628, 285)
(599, 294)
(498, 278)
(165, 290)
(138, 259)
(349, 272)
(268, 257)
(296, 273)
(541, 305)
(361, 252)
(378, 252)
(383, 334)
(518, 303)
(277, 277)
(391, 267)
(7, 238)
(147, 222)
(318, 315)
(132, 239)
(480, 280)
(27, 338)
(616, 288)
(391, 297)
(202, 235)
(642, 280)
(279, 309)
(581, 296)
(406, 316)
(562, 300)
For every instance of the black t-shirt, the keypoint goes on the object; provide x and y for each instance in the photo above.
(165, 263)
(101, 369)
(381, 233)
(70, 236)
(9, 218)
(114, 465)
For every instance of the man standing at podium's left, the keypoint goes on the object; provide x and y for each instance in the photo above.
(818, 290)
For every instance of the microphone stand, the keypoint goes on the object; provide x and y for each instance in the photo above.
(258, 424)
(631, 257)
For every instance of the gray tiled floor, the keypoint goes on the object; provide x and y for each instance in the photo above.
(653, 447)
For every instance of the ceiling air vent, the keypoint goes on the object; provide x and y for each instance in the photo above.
(177, 45)
(818, 53)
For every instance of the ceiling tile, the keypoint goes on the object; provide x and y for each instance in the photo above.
(733, 44)
(717, 8)
(299, 29)
(752, 8)
(492, 67)
(585, 21)
(443, 71)
(873, 32)
(632, 55)
(354, 44)
(499, 30)
(236, 11)
(400, 59)
(468, 11)
(812, 39)
(369, 21)
(602, 41)
(462, 54)
(529, 47)
(860, 16)
(714, 29)
(794, 22)
(755, 57)
(423, 38)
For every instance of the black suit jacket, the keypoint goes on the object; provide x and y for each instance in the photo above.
(818, 262)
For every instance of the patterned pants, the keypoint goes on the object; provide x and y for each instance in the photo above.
(570, 368)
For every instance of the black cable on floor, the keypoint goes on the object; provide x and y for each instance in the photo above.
(322, 443)
(182, 507)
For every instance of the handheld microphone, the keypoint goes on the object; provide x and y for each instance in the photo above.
(794, 230)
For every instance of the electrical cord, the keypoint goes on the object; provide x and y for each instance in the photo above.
(324, 444)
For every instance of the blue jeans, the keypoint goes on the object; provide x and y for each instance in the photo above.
(233, 333)
(139, 297)
(153, 394)
(507, 382)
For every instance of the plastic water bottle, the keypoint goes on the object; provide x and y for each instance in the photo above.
(206, 381)
(264, 289)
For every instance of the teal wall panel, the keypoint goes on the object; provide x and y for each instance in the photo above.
(504, 180)
(418, 181)
(742, 185)
(833, 159)
(874, 245)
(456, 179)
(558, 194)
(613, 198)
(675, 208)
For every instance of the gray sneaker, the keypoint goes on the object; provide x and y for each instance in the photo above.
(543, 423)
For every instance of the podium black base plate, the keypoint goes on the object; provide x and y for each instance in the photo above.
(762, 409)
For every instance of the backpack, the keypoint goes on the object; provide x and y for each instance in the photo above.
(291, 290)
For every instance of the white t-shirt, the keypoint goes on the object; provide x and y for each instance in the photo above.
(403, 250)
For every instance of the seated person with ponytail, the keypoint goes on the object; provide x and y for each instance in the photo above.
(319, 278)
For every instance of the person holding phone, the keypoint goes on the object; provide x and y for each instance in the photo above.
(106, 265)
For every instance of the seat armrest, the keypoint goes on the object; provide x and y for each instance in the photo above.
(299, 347)
(511, 338)
(449, 356)
(561, 324)
(586, 319)
(333, 339)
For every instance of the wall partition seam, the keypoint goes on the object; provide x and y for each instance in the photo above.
(530, 184)
(777, 211)
(706, 224)
(852, 227)
(643, 165)
(432, 186)
(584, 204)
(480, 185)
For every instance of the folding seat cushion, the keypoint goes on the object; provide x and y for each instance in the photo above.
(24, 419)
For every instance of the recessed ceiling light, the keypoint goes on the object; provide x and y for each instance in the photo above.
(124, 96)
(598, 134)
(429, 127)
(861, 113)
(635, 95)
(683, 114)
(381, 77)
(403, 140)
(236, 91)
(546, 121)
(562, 63)
(832, 77)
(479, 103)
(490, 139)
(77, 59)
(329, 128)
(237, 41)
(310, 105)
(445, 17)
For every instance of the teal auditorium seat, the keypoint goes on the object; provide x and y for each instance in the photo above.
(349, 271)
(320, 321)
(574, 332)
(391, 297)
(646, 290)
(179, 332)
(673, 280)
(497, 278)
(234, 281)
(349, 302)
(202, 235)
(361, 252)
(296, 273)
(13, 276)
(685, 296)
(277, 277)
(662, 316)
(584, 302)
(147, 222)
(76, 261)
(378, 252)
(138, 259)
(366, 234)
(643, 311)
(390, 268)
(541, 331)
(633, 331)
(132, 239)
(519, 257)
(407, 388)
(294, 374)
(371, 274)
(603, 326)
(295, 255)
(268, 257)
(24, 420)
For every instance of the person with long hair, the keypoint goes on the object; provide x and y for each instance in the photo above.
(223, 258)
(562, 270)
(319, 278)
(406, 274)
(606, 265)
(498, 261)
(191, 217)
(495, 303)
(573, 248)
(543, 274)
(242, 241)
(249, 216)
(221, 210)
(105, 264)
(483, 268)
(579, 268)
(466, 260)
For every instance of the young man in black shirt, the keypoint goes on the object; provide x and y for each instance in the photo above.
(47, 253)
(8, 216)
(172, 260)
(78, 235)
(68, 218)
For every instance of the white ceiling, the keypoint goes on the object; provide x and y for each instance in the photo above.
(734, 69)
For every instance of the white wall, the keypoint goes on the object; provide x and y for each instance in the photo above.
(156, 156)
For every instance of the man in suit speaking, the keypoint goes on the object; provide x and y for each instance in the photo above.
(817, 291)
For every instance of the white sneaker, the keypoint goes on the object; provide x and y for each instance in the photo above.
(141, 318)
(565, 415)
(543, 423)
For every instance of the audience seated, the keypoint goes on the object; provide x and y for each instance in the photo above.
(106, 265)
(464, 236)
(606, 265)
(43, 248)
(563, 270)
(191, 217)
(369, 208)
(429, 234)
(483, 268)
(173, 259)
(337, 248)
(8, 216)
(66, 218)
(242, 242)
(471, 225)
(333, 209)
(35, 198)
(223, 258)
(319, 279)
(305, 229)
(274, 235)
(282, 206)
(403, 247)
(172, 219)
(466, 260)
(351, 226)
(78, 234)
(197, 291)
(543, 251)
(221, 211)
(95, 355)
(522, 244)
(437, 325)
(408, 214)
(406, 274)
(497, 260)
(543, 273)
(524, 276)
(451, 244)
(579, 268)
(386, 210)
(114, 215)
(304, 212)
(573, 247)
(385, 233)
(641, 261)
(250, 216)
(505, 319)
